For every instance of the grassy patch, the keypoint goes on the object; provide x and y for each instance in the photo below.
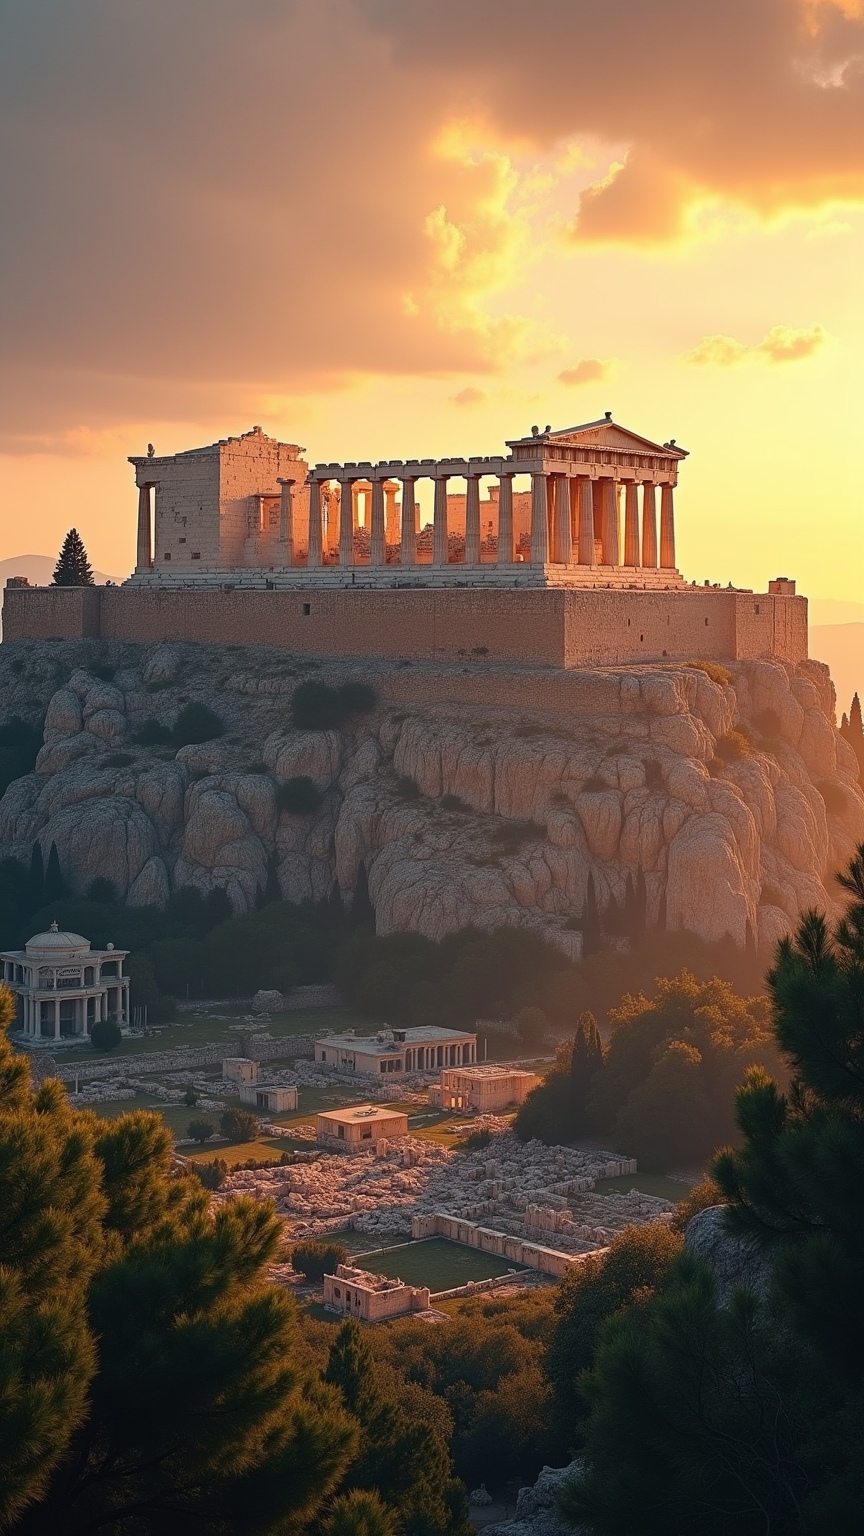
(647, 1184)
(438, 1263)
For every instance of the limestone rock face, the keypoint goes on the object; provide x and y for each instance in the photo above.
(485, 796)
(733, 1260)
(537, 1507)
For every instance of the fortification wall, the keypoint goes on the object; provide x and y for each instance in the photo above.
(546, 627)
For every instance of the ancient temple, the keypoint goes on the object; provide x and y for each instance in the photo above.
(591, 505)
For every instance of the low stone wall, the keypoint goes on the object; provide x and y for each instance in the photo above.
(534, 1255)
(185, 1058)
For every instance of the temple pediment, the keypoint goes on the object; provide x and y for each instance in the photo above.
(604, 433)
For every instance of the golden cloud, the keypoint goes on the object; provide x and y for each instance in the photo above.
(589, 370)
(782, 344)
(470, 395)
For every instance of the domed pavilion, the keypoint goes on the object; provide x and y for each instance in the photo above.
(64, 987)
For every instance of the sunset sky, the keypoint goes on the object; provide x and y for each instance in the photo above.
(405, 228)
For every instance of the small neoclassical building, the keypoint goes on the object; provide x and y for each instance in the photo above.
(63, 986)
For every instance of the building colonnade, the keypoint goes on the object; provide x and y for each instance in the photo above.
(575, 517)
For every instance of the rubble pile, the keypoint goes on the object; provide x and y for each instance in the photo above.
(524, 1189)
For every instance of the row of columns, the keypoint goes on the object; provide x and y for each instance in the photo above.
(565, 513)
(431, 1058)
(32, 1009)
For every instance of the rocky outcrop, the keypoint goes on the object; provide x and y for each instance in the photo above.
(734, 1260)
(471, 794)
(537, 1507)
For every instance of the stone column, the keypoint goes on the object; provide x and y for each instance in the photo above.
(377, 553)
(56, 1018)
(440, 549)
(539, 519)
(667, 528)
(563, 551)
(505, 519)
(610, 522)
(472, 520)
(408, 551)
(631, 523)
(586, 520)
(316, 545)
(391, 515)
(649, 526)
(346, 522)
(144, 560)
(286, 521)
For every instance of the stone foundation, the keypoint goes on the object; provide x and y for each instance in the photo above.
(564, 627)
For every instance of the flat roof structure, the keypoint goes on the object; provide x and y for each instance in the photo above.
(486, 1087)
(425, 1049)
(356, 1128)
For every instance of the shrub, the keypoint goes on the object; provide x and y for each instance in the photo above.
(151, 734)
(317, 707)
(299, 796)
(475, 1140)
(715, 767)
(768, 722)
(833, 796)
(103, 670)
(200, 1130)
(19, 745)
(117, 760)
(105, 1035)
(532, 1025)
(190, 1097)
(713, 669)
(510, 836)
(238, 1125)
(101, 890)
(406, 788)
(196, 723)
(357, 698)
(453, 803)
(211, 1174)
(732, 746)
(315, 1260)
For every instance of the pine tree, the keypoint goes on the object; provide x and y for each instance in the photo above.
(796, 1182)
(405, 1462)
(73, 567)
(149, 1376)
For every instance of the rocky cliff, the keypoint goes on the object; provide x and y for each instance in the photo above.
(472, 794)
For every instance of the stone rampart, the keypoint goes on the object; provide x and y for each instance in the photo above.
(544, 627)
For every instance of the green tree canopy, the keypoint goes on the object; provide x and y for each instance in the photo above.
(666, 1091)
(149, 1375)
(747, 1412)
(73, 567)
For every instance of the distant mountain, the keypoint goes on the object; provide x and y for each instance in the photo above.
(39, 569)
(842, 646)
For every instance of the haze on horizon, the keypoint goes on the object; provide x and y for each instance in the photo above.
(390, 230)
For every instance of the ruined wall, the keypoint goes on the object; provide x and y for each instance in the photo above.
(553, 627)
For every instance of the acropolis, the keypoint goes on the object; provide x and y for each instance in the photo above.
(560, 552)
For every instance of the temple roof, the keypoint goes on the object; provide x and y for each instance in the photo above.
(605, 433)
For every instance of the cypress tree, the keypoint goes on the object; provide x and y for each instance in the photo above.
(73, 567)
(37, 878)
(591, 926)
(587, 1059)
(362, 910)
(55, 886)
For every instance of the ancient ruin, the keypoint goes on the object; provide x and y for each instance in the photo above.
(242, 541)
(63, 987)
